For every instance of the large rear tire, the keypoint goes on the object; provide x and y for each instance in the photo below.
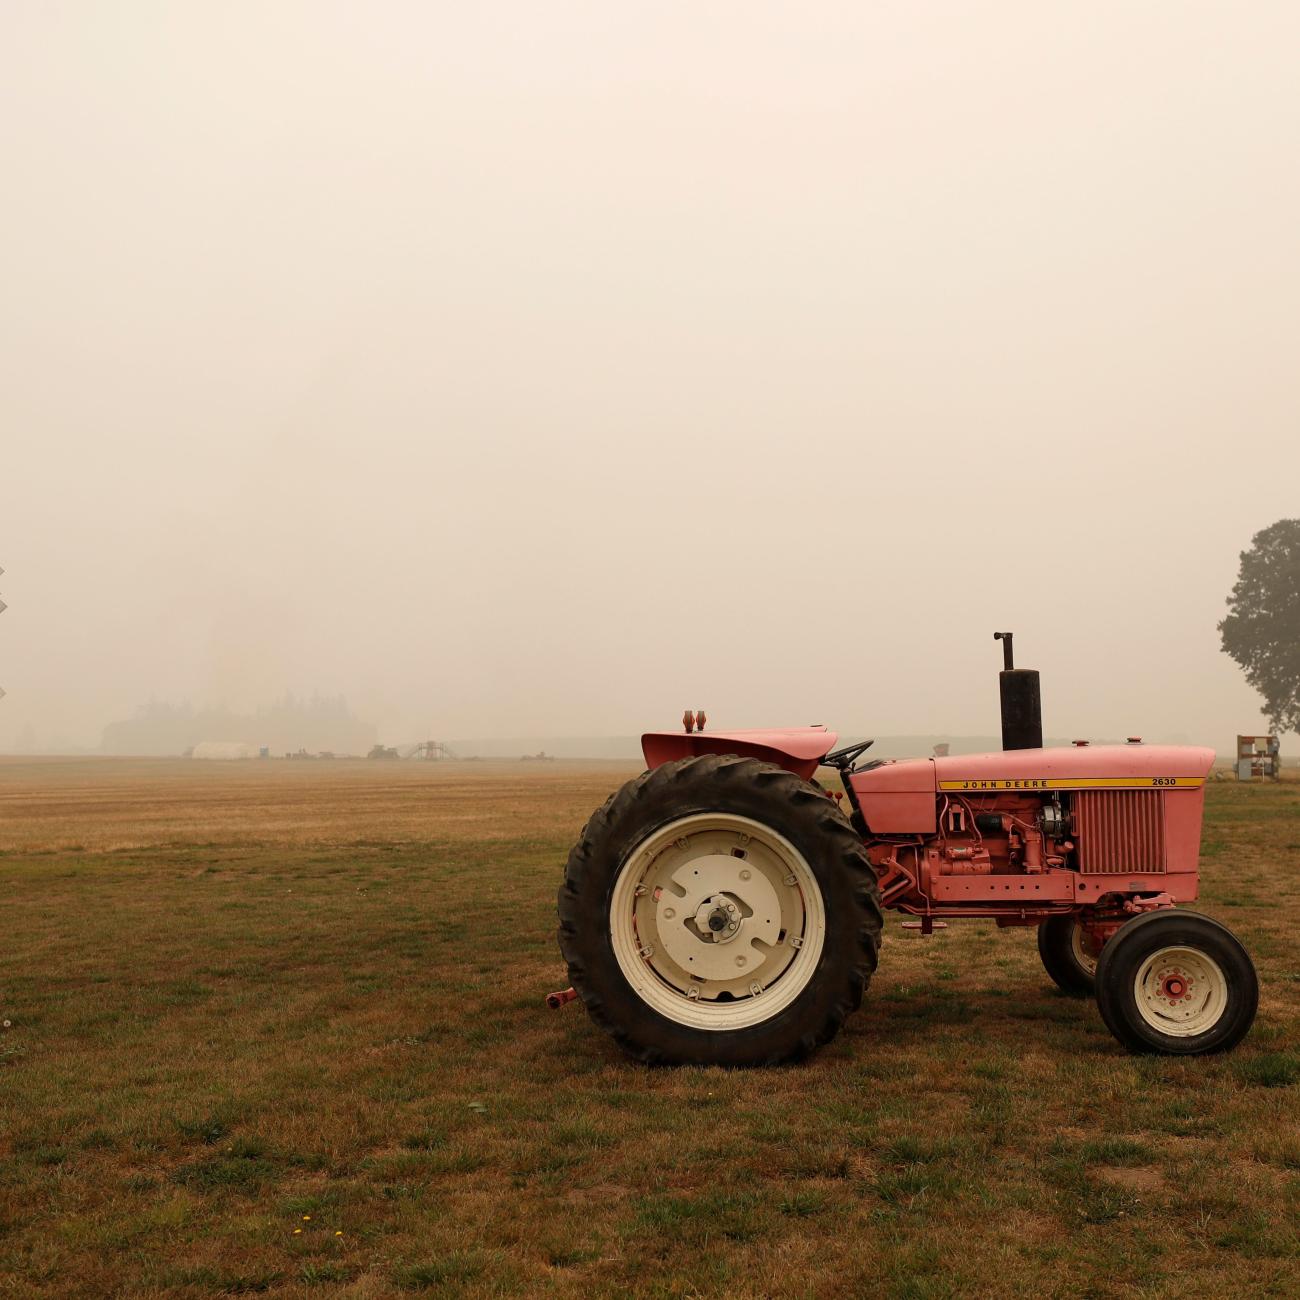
(719, 911)
(1176, 983)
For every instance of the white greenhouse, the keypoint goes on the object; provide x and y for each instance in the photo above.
(223, 749)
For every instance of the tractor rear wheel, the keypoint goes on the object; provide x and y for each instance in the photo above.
(1177, 983)
(1068, 953)
(719, 910)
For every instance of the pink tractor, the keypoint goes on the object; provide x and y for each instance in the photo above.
(724, 908)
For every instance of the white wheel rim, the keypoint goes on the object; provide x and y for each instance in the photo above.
(1180, 991)
(707, 869)
(1079, 946)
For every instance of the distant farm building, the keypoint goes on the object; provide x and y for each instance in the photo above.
(223, 749)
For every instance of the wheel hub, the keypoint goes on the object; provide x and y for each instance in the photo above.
(717, 919)
(1180, 991)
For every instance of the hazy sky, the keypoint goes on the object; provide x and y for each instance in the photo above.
(529, 369)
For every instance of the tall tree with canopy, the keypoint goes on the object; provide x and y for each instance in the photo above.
(1262, 630)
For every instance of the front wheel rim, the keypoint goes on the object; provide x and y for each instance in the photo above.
(1082, 949)
(1181, 991)
(717, 921)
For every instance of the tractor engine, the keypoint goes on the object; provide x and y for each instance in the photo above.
(1029, 832)
(998, 834)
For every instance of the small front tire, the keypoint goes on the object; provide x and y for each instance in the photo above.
(1069, 954)
(1176, 983)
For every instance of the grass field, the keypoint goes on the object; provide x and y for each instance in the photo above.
(278, 1027)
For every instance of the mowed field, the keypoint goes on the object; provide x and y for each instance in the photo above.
(278, 1027)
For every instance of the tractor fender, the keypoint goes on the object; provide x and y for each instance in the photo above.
(797, 749)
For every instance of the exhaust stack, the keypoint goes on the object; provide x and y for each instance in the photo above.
(1022, 702)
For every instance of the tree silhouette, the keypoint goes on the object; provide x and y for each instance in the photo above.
(1262, 630)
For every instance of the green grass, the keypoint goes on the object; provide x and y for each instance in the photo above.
(321, 1065)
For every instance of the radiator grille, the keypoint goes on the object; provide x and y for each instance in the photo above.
(1120, 831)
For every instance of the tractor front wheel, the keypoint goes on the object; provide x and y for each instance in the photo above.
(1176, 983)
(719, 911)
(1069, 953)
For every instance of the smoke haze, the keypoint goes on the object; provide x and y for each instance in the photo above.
(529, 370)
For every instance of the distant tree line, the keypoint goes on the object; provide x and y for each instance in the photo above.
(322, 722)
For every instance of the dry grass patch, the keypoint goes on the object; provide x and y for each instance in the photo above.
(277, 1029)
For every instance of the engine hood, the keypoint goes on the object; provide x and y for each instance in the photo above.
(1078, 767)
(899, 797)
